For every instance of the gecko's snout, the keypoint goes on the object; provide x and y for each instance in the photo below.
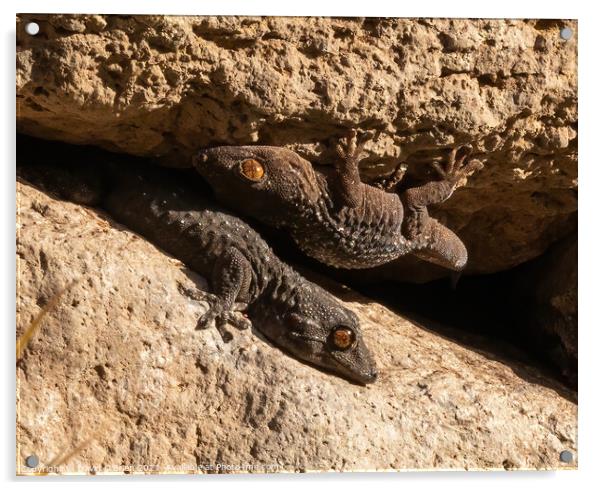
(372, 376)
(215, 159)
(366, 377)
(208, 163)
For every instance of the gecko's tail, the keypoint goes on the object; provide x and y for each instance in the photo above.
(69, 182)
(60, 169)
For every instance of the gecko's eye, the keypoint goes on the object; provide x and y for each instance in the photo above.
(342, 338)
(252, 170)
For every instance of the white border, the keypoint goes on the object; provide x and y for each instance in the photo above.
(431, 8)
(590, 272)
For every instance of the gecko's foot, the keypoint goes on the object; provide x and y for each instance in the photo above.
(206, 320)
(236, 319)
(211, 318)
(351, 147)
(455, 170)
(221, 317)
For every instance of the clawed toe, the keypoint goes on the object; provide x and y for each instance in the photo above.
(236, 319)
(456, 157)
(463, 151)
(225, 335)
(351, 146)
(240, 321)
(362, 138)
(473, 166)
(455, 169)
(390, 182)
(204, 322)
(213, 310)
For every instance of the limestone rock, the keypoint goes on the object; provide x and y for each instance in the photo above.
(118, 379)
(164, 86)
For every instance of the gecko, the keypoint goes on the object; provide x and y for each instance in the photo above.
(338, 219)
(245, 275)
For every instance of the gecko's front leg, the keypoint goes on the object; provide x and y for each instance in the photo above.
(231, 280)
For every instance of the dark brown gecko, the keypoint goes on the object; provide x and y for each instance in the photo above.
(245, 275)
(339, 220)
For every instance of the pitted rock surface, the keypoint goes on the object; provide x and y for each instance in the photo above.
(119, 377)
(166, 86)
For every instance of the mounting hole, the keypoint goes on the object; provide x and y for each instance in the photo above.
(566, 456)
(32, 28)
(32, 461)
(566, 33)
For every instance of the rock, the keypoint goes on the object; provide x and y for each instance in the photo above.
(544, 297)
(164, 86)
(117, 378)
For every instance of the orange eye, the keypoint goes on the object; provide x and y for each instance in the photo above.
(343, 338)
(252, 169)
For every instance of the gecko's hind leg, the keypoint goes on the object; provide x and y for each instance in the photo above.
(231, 280)
(433, 241)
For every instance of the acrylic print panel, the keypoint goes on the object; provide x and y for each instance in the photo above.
(279, 244)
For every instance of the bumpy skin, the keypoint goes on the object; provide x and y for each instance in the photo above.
(245, 275)
(339, 220)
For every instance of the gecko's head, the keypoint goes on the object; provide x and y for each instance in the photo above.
(268, 183)
(324, 333)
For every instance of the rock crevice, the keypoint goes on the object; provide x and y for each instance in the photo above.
(165, 86)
